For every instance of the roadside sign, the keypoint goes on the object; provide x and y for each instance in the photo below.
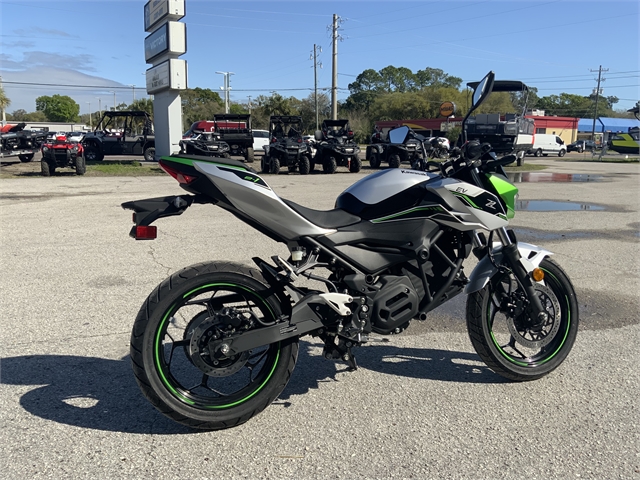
(171, 74)
(156, 11)
(170, 38)
(447, 109)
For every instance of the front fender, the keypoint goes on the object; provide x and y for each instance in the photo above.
(531, 255)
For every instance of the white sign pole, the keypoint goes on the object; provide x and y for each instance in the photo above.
(168, 75)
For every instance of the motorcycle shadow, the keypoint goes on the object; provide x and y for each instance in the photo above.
(102, 394)
(418, 363)
(87, 392)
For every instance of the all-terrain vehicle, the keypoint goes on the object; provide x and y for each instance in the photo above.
(206, 144)
(396, 148)
(16, 141)
(235, 129)
(287, 148)
(62, 152)
(335, 147)
(121, 133)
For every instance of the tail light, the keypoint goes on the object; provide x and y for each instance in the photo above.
(148, 232)
(179, 176)
(273, 140)
(299, 140)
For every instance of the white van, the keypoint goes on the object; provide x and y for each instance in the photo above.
(260, 139)
(544, 144)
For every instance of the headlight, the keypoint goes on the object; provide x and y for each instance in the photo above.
(45, 149)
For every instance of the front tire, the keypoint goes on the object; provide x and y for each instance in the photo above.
(149, 154)
(561, 153)
(274, 167)
(80, 164)
(394, 161)
(250, 155)
(538, 153)
(304, 166)
(355, 165)
(329, 164)
(506, 344)
(47, 168)
(171, 347)
(374, 159)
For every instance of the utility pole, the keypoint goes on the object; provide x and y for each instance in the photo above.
(90, 125)
(226, 89)
(334, 81)
(597, 92)
(316, 49)
(99, 106)
(133, 92)
(249, 104)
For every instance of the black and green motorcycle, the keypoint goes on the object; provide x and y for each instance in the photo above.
(216, 343)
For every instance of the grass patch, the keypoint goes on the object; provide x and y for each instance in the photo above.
(122, 169)
(527, 167)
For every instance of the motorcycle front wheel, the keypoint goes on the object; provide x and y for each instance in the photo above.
(504, 338)
(175, 344)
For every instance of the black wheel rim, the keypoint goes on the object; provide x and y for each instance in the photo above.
(178, 372)
(509, 347)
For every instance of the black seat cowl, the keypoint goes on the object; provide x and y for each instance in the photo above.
(324, 218)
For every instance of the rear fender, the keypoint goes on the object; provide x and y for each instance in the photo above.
(149, 210)
(531, 255)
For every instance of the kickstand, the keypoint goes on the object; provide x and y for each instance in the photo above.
(351, 361)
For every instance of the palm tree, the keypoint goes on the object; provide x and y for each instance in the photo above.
(4, 103)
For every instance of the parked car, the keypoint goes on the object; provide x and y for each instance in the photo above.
(544, 144)
(581, 145)
(260, 139)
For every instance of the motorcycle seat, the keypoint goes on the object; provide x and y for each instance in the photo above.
(223, 161)
(335, 218)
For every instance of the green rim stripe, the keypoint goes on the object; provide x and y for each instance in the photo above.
(523, 364)
(158, 345)
(189, 161)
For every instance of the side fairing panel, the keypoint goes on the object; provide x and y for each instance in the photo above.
(251, 195)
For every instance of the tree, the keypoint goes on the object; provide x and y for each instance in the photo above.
(58, 108)
(567, 105)
(4, 102)
(199, 104)
(276, 104)
(520, 100)
(142, 105)
(434, 77)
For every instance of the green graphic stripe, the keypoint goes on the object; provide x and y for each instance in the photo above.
(189, 161)
(434, 208)
(468, 199)
(158, 346)
(523, 364)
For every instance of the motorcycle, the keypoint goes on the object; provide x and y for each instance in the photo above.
(430, 148)
(216, 343)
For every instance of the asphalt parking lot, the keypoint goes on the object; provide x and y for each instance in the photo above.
(420, 406)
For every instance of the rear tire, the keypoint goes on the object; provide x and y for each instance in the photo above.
(167, 372)
(329, 164)
(394, 161)
(81, 166)
(250, 155)
(519, 359)
(561, 153)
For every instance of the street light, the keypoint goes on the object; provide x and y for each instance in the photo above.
(99, 105)
(226, 89)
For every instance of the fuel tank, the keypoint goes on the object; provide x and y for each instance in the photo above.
(384, 192)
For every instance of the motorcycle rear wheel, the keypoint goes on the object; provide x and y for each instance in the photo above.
(185, 312)
(508, 345)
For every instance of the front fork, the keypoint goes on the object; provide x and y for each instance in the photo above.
(537, 313)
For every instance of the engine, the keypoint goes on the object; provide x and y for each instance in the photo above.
(395, 304)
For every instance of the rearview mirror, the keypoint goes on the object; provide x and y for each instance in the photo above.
(397, 135)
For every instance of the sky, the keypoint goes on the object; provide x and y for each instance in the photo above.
(95, 47)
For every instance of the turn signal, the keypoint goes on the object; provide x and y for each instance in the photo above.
(537, 274)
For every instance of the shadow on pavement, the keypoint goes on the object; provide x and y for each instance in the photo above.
(102, 394)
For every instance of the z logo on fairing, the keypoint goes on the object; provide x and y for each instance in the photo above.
(491, 204)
